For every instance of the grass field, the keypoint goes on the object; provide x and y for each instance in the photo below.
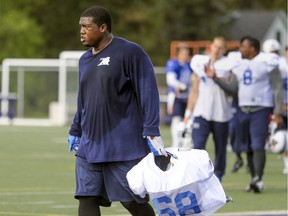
(37, 177)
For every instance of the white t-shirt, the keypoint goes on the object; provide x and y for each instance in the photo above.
(189, 187)
(253, 80)
(212, 103)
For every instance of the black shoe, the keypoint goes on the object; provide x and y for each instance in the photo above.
(237, 165)
(256, 185)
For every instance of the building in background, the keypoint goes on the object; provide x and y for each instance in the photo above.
(260, 24)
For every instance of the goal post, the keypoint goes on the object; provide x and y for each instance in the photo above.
(20, 65)
(67, 68)
(68, 73)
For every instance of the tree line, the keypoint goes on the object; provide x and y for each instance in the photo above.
(44, 28)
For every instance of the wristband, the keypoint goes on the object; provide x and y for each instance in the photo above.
(188, 113)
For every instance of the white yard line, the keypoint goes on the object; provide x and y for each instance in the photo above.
(262, 213)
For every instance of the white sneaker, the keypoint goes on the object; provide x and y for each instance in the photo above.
(285, 170)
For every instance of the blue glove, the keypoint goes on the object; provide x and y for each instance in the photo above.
(156, 145)
(73, 142)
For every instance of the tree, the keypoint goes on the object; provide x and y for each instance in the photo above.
(44, 28)
(20, 36)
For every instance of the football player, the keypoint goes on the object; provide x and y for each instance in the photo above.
(209, 104)
(178, 77)
(257, 77)
(117, 115)
(273, 46)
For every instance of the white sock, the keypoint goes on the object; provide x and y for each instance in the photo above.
(175, 131)
(285, 159)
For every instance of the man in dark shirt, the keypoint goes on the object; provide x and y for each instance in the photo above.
(117, 118)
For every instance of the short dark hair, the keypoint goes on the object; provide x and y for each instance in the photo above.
(100, 16)
(253, 42)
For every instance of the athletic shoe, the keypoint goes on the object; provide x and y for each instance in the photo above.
(258, 186)
(237, 165)
(249, 188)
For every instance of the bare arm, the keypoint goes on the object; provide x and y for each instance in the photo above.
(192, 98)
(275, 79)
(229, 86)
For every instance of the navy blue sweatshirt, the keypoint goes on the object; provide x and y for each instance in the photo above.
(117, 105)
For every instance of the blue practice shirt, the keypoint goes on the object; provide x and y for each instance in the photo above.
(117, 105)
(183, 74)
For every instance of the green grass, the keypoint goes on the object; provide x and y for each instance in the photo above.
(37, 176)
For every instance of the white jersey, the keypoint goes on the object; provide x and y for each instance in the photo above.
(234, 55)
(283, 66)
(212, 103)
(189, 187)
(253, 80)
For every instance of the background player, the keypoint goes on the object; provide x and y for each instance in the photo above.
(273, 46)
(178, 77)
(257, 78)
(209, 103)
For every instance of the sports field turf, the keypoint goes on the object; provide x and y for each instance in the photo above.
(37, 177)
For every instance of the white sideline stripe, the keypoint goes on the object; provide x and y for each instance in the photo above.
(224, 214)
(64, 206)
(284, 213)
(33, 214)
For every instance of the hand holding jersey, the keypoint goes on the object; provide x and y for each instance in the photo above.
(73, 142)
(156, 145)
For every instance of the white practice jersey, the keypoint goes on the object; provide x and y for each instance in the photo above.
(283, 66)
(212, 103)
(253, 80)
(188, 187)
(234, 55)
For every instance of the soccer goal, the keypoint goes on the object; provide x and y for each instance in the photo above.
(59, 110)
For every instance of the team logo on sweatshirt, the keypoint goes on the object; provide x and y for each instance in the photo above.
(104, 61)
